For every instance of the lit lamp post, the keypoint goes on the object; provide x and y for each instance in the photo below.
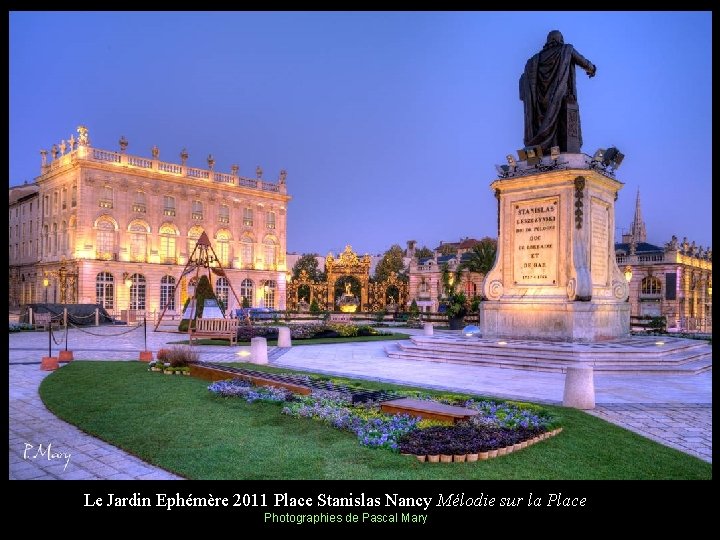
(46, 284)
(628, 278)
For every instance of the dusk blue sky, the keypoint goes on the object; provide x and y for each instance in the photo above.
(389, 124)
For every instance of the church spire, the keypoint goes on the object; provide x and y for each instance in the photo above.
(637, 229)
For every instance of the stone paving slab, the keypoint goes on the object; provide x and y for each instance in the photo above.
(689, 420)
(48, 448)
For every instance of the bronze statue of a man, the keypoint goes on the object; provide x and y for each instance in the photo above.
(547, 88)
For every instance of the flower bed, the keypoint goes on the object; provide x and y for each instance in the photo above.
(308, 331)
(499, 429)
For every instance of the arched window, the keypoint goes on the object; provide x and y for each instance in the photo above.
(105, 238)
(193, 236)
(269, 293)
(270, 253)
(71, 238)
(138, 240)
(64, 237)
(222, 246)
(247, 252)
(222, 291)
(651, 285)
(167, 296)
(55, 238)
(168, 234)
(137, 292)
(246, 290)
(105, 290)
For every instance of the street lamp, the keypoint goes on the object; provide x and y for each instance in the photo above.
(46, 284)
(628, 273)
(128, 280)
(265, 291)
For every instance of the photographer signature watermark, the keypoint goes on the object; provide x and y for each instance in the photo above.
(45, 452)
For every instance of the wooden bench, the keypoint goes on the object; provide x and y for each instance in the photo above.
(427, 409)
(42, 320)
(215, 328)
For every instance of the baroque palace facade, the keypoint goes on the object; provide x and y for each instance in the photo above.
(672, 281)
(109, 228)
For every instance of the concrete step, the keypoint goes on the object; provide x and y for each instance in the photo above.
(652, 356)
(633, 357)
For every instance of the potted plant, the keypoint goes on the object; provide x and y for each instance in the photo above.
(455, 303)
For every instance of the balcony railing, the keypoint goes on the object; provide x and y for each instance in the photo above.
(126, 160)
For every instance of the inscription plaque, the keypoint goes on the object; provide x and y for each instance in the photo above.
(599, 216)
(535, 242)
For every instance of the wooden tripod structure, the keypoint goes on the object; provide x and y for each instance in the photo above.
(202, 256)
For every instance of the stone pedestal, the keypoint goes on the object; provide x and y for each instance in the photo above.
(428, 329)
(579, 388)
(258, 350)
(65, 356)
(284, 337)
(555, 275)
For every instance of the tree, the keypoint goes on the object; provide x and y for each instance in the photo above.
(447, 249)
(392, 261)
(309, 263)
(424, 253)
(481, 257)
(202, 291)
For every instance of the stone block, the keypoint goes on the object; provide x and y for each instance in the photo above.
(258, 350)
(284, 337)
(579, 388)
(427, 329)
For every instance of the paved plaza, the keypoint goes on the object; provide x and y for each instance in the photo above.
(673, 410)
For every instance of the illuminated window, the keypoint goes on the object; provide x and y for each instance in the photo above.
(138, 240)
(269, 293)
(651, 285)
(247, 252)
(248, 217)
(270, 220)
(169, 205)
(139, 205)
(104, 290)
(106, 199)
(105, 239)
(168, 235)
(197, 210)
(224, 214)
(270, 253)
(246, 290)
(167, 296)
(222, 291)
(222, 246)
(137, 292)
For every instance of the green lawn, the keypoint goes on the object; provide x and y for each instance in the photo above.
(175, 423)
(311, 341)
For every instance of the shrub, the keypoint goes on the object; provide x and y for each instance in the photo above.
(162, 355)
(345, 330)
(314, 308)
(202, 291)
(180, 356)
